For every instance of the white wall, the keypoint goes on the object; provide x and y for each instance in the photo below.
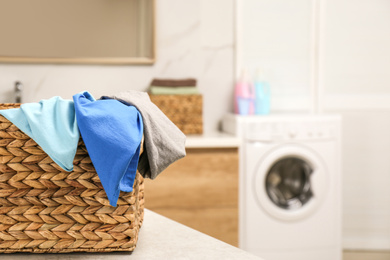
(355, 82)
(192, 41)
(276, 37)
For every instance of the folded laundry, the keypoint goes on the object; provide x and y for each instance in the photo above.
(112, 133)
(164, 142)
(174, 82)
(52, 125)
(158, 90)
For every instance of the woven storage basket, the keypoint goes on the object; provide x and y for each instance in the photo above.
(44, 209)
(185, 111)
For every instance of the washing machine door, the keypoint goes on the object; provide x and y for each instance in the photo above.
(290, 182)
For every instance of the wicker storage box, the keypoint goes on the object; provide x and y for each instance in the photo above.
(185, 111)
(45, 209)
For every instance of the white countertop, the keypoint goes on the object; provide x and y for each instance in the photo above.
(160, 238)
(213, 140)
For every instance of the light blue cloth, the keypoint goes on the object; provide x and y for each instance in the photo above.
(52, 124)
(112, 133)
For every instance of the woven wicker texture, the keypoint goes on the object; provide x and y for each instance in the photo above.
(45, 209)
(185, 111)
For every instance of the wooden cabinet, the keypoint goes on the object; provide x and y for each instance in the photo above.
(200, 191)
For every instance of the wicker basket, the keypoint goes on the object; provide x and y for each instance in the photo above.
(185, 111)
(47, 210)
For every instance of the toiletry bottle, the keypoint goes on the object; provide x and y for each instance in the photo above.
(262, 94)
(244, 96)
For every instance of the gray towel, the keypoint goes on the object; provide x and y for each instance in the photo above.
(164, 142)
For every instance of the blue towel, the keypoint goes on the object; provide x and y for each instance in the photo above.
(112, 133)
(52, 124)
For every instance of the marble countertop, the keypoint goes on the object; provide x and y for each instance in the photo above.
(159, 238)
(213, 140)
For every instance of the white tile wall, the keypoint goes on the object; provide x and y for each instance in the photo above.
(357, 40)
(357, 85)
(366, 174)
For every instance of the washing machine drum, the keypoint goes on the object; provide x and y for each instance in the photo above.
(290, 182)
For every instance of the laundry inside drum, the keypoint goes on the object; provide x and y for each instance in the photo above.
(288, 183)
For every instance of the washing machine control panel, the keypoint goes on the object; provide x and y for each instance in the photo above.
(289, 131)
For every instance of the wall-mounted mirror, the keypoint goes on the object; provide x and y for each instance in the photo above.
(77, 32)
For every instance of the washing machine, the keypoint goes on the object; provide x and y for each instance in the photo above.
(290, 185)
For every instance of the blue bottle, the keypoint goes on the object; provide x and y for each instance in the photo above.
(262, 95)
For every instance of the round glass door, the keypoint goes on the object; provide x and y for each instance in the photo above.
(288, 184)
